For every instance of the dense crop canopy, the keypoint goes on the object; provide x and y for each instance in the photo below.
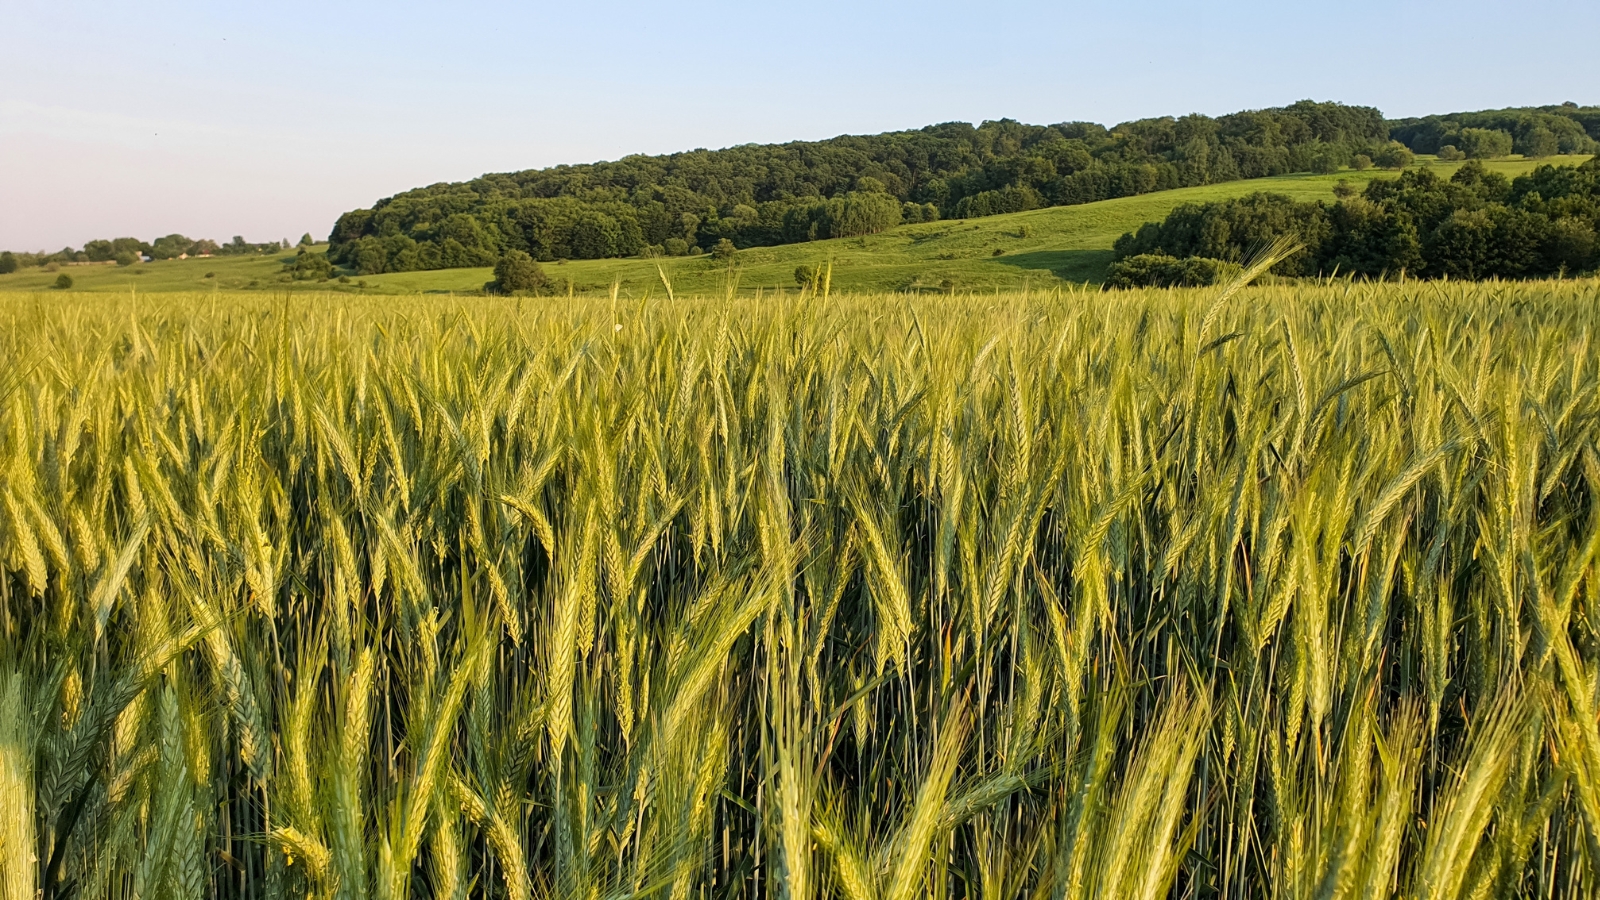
(1279, 594)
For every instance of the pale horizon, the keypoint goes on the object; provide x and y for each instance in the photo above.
(214, 123)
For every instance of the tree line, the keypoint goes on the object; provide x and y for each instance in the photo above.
(1475, 225)
(1534, 132)
(762, 195)
(126, 251)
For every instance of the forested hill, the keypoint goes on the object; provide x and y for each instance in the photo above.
(762, 195)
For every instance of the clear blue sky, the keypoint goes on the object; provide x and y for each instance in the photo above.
(268, 120)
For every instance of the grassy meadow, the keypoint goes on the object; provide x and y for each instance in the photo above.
(1271, 592)
(1044, 248)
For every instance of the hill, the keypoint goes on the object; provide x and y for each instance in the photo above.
(854, 185)
(1038, 248)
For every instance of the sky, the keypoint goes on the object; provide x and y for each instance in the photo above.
(269, 120)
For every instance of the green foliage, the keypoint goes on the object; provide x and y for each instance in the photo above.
(305, 240)
(1449, 153)
(308, 266)
(1238, 593)
(518, 272)
(724, 250)
(1156, 270)
(1483, 143)
(1476, 225)
(8, 262)
(766, 195)
(1538, 142)
(63, 282)
(1575, 129)
(808, 277)
(1393, 155)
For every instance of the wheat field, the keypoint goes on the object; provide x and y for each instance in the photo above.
(1281, 592)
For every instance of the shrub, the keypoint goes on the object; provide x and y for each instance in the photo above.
(308, 266)
(517, 272)
(1393, 155)
(1159, 270)
(808, 277)
(8, 263)
(1571, 245)
(1449, 153)
(1325, 163)
(1539, 142)
(676, 246)
(63, 282)
(126, 258)
(1361, 162)
(1485, 143)
(1344, 190)
(724, 250)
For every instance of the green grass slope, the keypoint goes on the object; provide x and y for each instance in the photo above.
(1042, 248)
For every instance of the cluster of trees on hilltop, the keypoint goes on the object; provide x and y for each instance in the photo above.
(1476, 225)
(761, 195)
(1531, 131)
(127, 251)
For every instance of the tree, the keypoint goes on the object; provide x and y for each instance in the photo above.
(1157, 270)
(126, 258)
(1393, 155)
(63, 282)
(1484, 143)
(1361, 162)
(1449, 153)
(724, 250)
(517, 271)
(1326, 162)
(1540, 141)
(305, 240)
(1570, 245)
(308, 266)
(8, 262)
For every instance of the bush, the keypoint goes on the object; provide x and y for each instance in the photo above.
(1344, 190)
(724, 250)
(1160, 270)
(1361, 162)
(8, 263)
(517, 272)
(808, 277)
(1325, 163)
(1485, 143)
(676, 246)
(63, 282)
(1449, 153)
(126, 258)
(308, 266)
(1539, 142)
(1393, 155)
(1571, 245)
